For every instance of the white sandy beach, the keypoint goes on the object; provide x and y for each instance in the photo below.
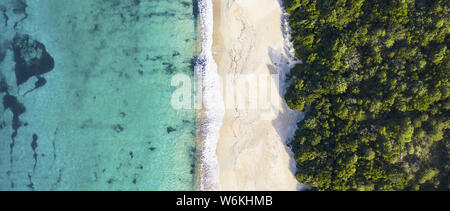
(252, 153)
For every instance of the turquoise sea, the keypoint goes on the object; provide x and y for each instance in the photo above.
(86, 93)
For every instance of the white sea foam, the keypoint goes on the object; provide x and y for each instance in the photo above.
(206, 69)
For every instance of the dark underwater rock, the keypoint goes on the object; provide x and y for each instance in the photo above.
(5, 17)
(2, 53)
(34, 144)
(10, 102)
(171, 129)
(195, 10)
(39, 83)
(19, 6)
(31, 57)
(3, 84)
(118, 128)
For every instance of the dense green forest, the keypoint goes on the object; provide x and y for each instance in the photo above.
(374, 82)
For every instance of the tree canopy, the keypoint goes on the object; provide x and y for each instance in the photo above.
(374, 82)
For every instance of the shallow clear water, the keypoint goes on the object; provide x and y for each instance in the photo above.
(103, 119)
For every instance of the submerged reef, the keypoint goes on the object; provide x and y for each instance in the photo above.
(31, 60)
(10, 102)
(3, 84)
(31, 57)
(100, 121)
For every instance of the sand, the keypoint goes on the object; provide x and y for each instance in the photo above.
(252, 151)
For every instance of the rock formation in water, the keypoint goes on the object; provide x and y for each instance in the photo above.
(31, 57)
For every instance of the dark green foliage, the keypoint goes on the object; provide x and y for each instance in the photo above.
(375, 84)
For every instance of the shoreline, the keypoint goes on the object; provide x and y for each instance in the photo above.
(251, 152)
(213, 108)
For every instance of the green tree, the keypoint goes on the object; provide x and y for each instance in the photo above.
(375, 80)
